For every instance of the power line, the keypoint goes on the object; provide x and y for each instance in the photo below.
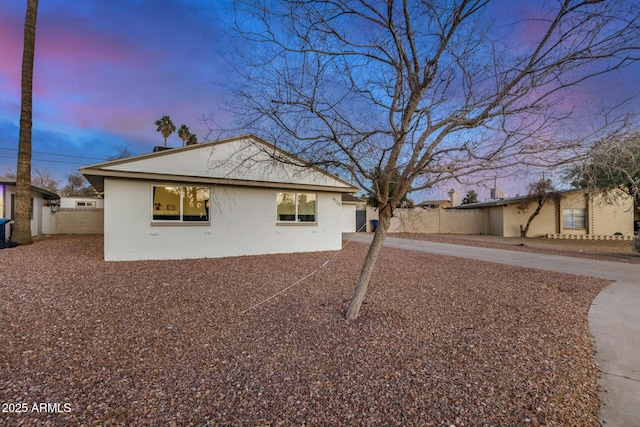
(45, 160)
(56, 154)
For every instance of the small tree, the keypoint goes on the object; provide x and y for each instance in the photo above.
(165, 127)
(540, 192)
(470, 198)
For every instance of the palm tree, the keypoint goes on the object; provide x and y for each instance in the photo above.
(184, 134)
(22, 230)
(193, 140)
(166, 127)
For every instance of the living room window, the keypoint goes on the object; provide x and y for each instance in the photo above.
(296, 207)
(574, 218)
(180, 204)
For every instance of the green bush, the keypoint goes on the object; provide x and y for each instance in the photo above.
(636, 243)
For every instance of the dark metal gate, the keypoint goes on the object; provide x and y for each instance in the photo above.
(361, 220)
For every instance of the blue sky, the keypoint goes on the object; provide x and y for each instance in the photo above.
(105, 70)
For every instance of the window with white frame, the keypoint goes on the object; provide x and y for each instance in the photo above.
(574, 218)
(295, 207)
(85, 204)
(180, 203)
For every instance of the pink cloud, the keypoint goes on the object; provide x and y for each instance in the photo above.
(11, 41)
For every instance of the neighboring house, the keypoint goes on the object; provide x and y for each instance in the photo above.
(81, 202)
(237, 196)
(40, 214)
(578, 213)
(434, 204)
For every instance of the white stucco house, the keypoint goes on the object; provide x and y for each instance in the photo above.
(41, 201)
(237, 196)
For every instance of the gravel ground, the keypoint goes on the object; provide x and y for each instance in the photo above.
(441, 341)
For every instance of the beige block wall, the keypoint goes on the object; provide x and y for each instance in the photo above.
(496, 221)
(435, 221)
(516, 215)
(610, 214)
(76, 221)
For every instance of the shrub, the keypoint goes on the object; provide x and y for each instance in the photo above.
(636, 243)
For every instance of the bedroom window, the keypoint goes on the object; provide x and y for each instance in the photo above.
(296, 207)
(180, 204)
(574, 218)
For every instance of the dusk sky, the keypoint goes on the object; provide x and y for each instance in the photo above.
(105, 70)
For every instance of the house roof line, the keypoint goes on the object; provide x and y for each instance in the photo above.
(49, 194)
(97, 169)
(208, 180)
(499, 202)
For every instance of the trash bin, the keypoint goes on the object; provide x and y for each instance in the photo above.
(3, 223)
(374, 224)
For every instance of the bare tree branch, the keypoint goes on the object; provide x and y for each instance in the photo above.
(406, 94)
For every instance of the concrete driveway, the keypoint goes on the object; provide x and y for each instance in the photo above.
(614, 316)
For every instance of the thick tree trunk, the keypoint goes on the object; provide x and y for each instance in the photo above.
(525, 230)
(384, 220)
(22, 228)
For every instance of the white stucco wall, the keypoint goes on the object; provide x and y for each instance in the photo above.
(242, 159)
(243, 222)
(36, 219)
(348, 217)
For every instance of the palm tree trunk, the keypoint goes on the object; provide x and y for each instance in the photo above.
(384, 220)
(22, 228)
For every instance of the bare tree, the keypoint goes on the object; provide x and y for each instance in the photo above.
(611, 163)
(22, 230)
(122, 152)
(44, 180)
(407, 94)
(77, 185)
(9, 174)
(540, 192)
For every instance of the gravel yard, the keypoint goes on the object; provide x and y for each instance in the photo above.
(441, 341)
